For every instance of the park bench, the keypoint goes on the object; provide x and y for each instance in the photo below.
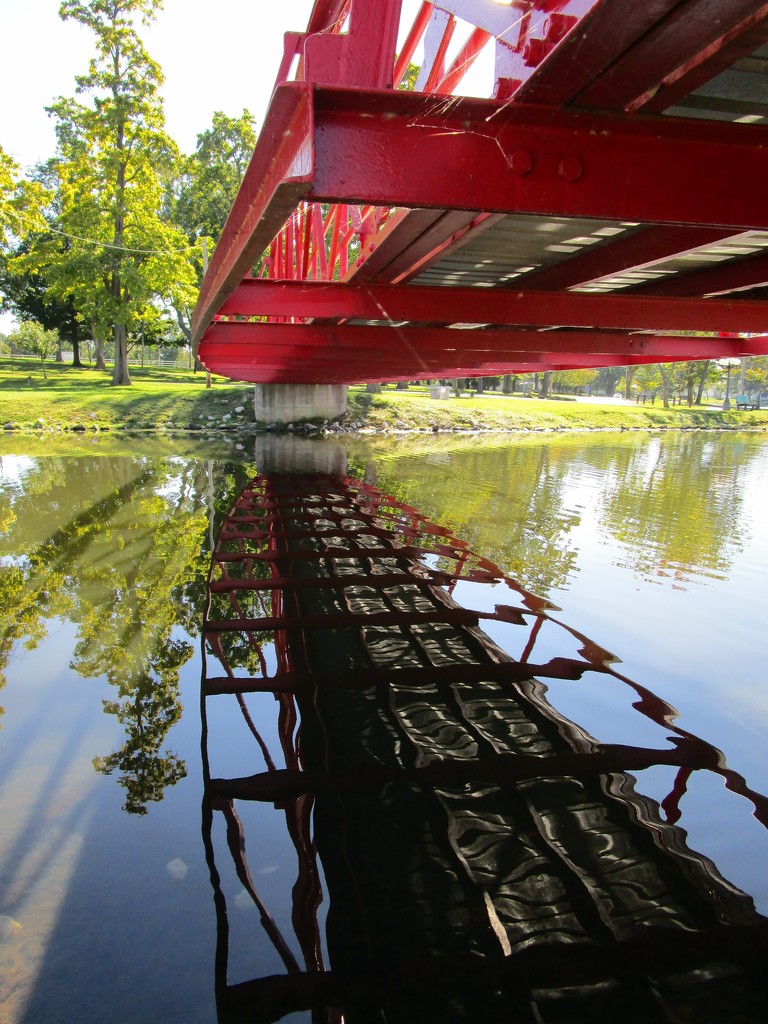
(745, 402)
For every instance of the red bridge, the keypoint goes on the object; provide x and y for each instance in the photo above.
(605, 204)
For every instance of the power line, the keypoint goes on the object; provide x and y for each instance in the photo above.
(110, 245)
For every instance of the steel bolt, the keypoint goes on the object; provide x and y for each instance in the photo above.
(520, 161)
(570, 168)
(534, 51)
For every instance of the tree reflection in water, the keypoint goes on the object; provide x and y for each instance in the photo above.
(111, 545)
(485, 858)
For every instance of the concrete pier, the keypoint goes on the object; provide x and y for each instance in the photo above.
(294, 403)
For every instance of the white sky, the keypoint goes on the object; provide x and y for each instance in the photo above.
(215, 56)
(220, 55)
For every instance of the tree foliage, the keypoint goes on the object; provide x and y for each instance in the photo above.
(207, 187)
(112, 545)
(115, 253)
(34, 338)
(20, 202)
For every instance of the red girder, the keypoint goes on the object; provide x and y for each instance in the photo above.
(283, 340)
(330, 354)
(641, 249)
(725, 278)
(390, 149)
(671, 47)
(412, 178)
(491, 306)
(604, 34)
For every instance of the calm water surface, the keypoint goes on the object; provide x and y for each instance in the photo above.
(655, 547)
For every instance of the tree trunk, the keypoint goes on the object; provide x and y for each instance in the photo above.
(480, 386)
(182, 319)
(98, 346)
(509, 384)
(702, 378)
(120, 374)
(372, 389)
(629, 374)
(76, 363)
(665, 389)
(547, 377)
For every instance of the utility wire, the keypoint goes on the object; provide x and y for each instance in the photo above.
(108, 245)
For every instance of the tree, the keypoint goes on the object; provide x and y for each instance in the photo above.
(20, 202)
(26, 293)
(24, 286)
(607, 379)
(33, 337)
(648, 378)
(756, 374)
(207, 188)
(118, 253)
(112, 545)
(573, 380)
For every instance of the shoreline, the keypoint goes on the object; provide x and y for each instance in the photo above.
(162, 403)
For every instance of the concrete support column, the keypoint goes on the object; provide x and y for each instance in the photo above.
(293, 403)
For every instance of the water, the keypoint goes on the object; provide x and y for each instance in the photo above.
(655, 547)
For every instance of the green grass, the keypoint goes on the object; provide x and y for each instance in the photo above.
(71, 398)
(393, 410)
(84, 401)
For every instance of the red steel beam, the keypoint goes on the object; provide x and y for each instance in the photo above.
(277, 178)
(413, 236)
(403, 229)
(264, 368)
(391, 148)
(727, 277)
(286, 342)
(449, 236)
(492, 306)
(723, 54)
(672, 44)
(634, 251)
(601, 37)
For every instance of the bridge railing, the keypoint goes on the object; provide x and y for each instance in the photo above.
(353, 43)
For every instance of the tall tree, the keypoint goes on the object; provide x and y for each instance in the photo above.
(117, 253)
(20, 202)
(207, 188)
(24, 288)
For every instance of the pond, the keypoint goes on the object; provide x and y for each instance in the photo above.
(654, 548)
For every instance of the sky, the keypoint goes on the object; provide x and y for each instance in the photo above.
(215, 56)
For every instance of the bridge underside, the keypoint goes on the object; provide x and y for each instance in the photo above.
(606, 206)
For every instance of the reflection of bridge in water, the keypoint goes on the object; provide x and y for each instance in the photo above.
(485, 858)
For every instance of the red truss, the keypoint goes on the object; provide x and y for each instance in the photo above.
(377, 219)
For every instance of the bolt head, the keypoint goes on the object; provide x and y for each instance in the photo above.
(570, 168)
(520, 161)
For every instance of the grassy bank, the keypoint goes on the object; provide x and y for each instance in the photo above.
(414, 410)
(83, 402)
